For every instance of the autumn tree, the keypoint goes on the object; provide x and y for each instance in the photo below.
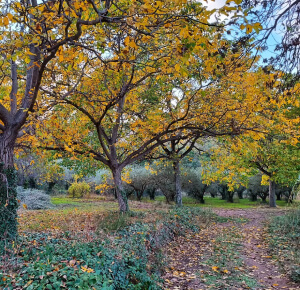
(32, 36)
(116, 101)
(113, 105)
(274, 154)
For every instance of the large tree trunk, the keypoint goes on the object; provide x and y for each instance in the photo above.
(272, 199)
(121, 195)
(178, 191)
(8, 193)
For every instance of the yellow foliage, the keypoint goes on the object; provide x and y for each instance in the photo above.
(79, 189)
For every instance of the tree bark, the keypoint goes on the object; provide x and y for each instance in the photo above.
(272, 199)
(121, 195)
(252, 195)
(139, 195)
(178, 190)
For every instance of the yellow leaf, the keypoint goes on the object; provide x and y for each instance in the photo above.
(24, 205)
(132, 44)
(177, 67)
(5, 21)
(10, 16)
(127, 40)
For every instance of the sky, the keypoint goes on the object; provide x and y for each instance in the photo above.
(274, 38)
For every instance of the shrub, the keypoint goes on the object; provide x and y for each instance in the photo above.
(79, 189)
(34, 198)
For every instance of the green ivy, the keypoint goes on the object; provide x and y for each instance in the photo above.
(119, 263)
(8, 204)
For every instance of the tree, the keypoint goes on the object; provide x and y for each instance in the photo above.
(193, 185)
(175, 151)
(277, 162)
(115, 107)
(32, 36)
(140, 180)
(117, 101)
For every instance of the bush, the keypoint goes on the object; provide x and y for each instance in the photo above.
(34, 198)
(79, 189)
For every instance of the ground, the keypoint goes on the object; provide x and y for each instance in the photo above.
(229, 254)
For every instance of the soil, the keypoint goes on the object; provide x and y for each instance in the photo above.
(188, 256)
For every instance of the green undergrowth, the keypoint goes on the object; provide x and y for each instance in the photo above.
(128, 259)
(284, 241)
(225, 266)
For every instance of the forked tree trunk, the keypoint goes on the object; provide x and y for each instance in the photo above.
(178, 190)
(121, 195)
(8, 193)
(272, 199)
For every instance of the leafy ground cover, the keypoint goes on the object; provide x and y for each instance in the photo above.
(86, 243)
(127, 258)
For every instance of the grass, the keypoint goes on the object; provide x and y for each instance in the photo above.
(62, 200)
(79, 215)
(83, 215)
(218, 203)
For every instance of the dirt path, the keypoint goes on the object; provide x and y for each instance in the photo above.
(229, 254)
